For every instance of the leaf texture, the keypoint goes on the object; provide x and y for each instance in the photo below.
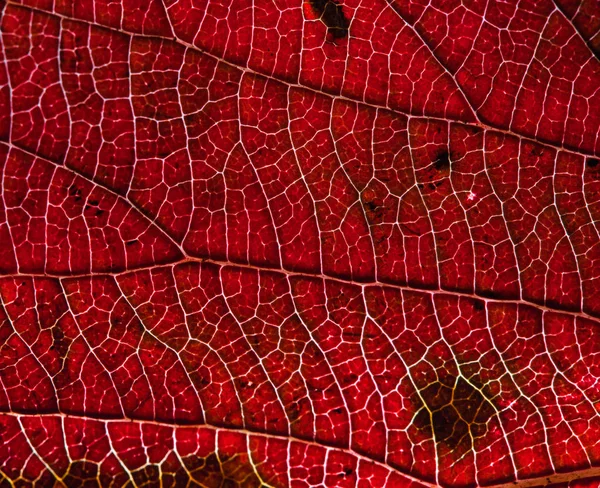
(299, 243)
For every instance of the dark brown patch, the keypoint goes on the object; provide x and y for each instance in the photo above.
(332, 15)
(172, 480)
(82, 473)
(60, 344)
(442, 161)
(147, 476)
(455, 413)
(234, 472)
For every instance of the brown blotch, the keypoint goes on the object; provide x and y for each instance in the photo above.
(148, 475)
(332, 15)
(82, 473)
(225, 472)
(455, 413)
(60, 343)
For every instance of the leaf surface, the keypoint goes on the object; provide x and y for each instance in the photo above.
(300, 243)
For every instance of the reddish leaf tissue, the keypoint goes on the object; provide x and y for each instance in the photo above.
(295, 243)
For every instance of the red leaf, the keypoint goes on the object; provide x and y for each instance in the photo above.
(299, 243)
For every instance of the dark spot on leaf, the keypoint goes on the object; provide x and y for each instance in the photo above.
(479, 305)
(81, 473)
(536, 151)
(374, 212)
(222, 471)
(200, 380)
(348, 471)
(373, 205)
(442, 162)
(80, 55)
(455, 413)
(75, 192)
(172, 480)
(448, 427)
(91, 204)
(148, 475)
(59, 343)
(348, 379)
(592, 163)
(131, 243)
(332, 15)
(293, 412)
